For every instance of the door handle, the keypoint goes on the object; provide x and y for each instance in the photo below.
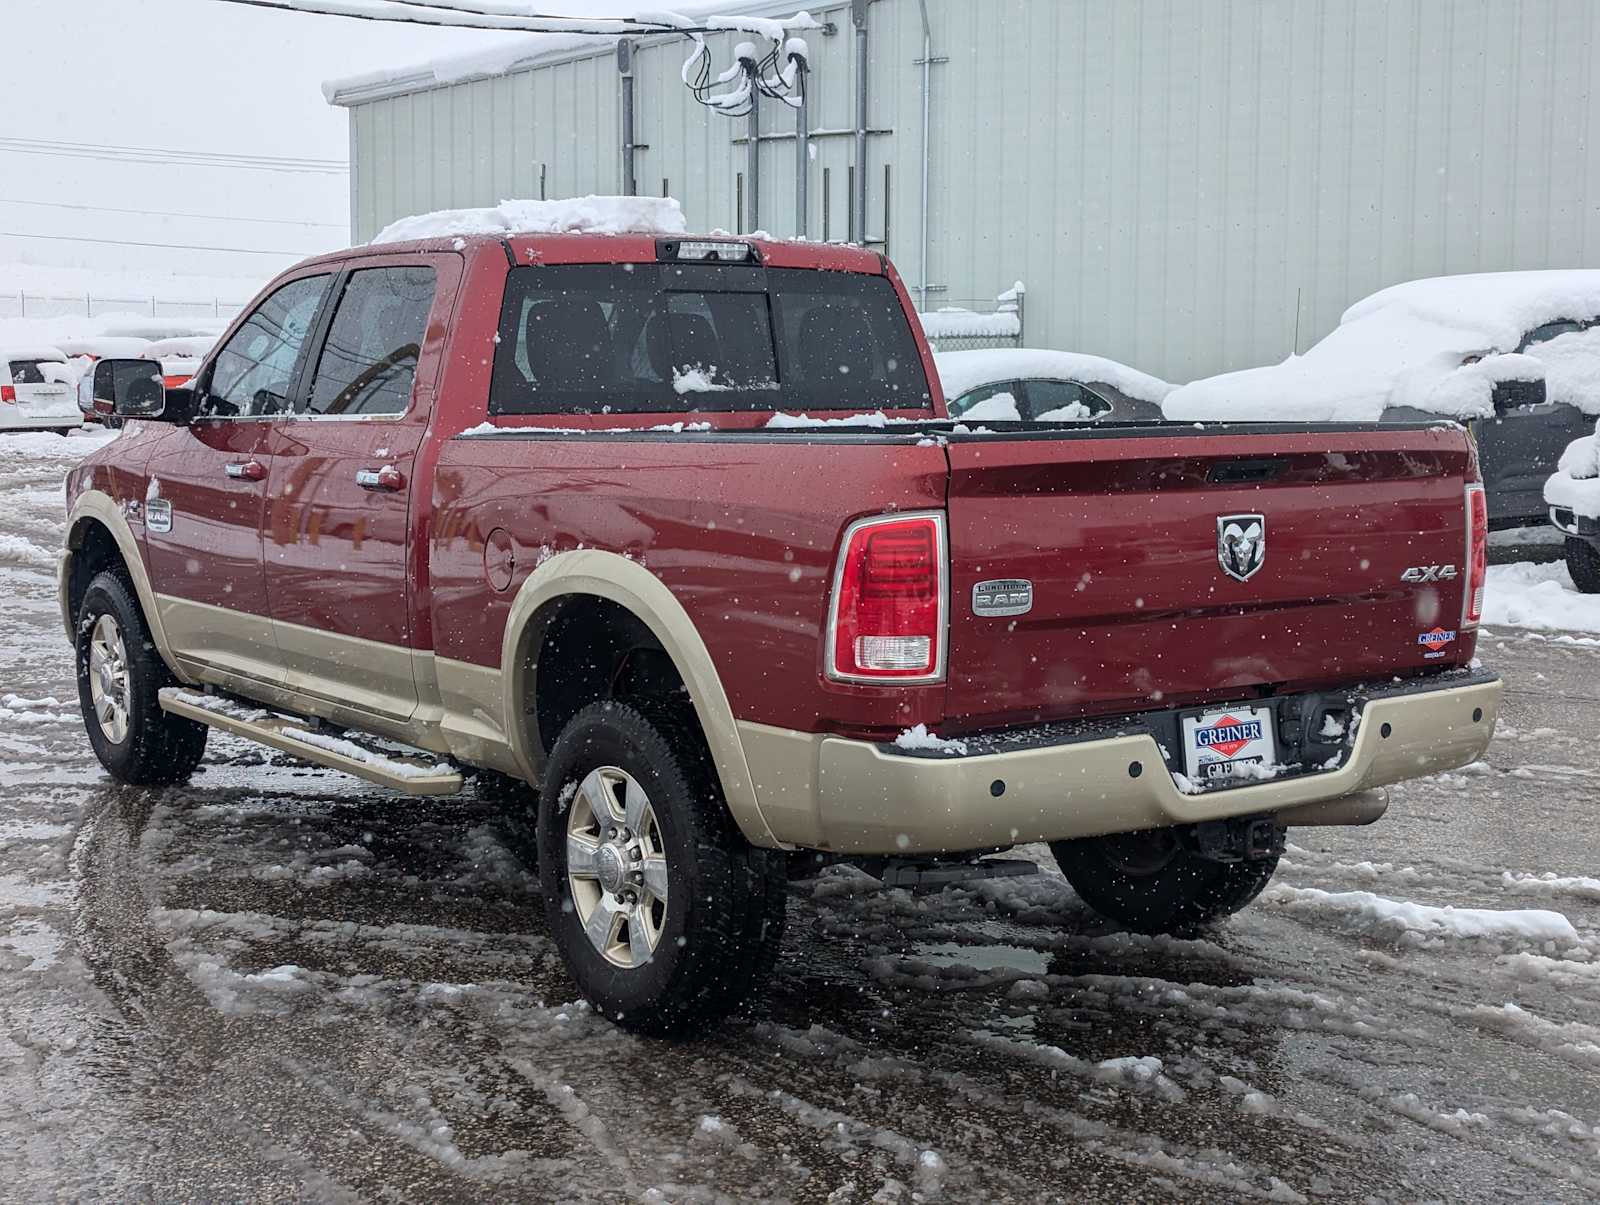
(386, 478)
(246, 470)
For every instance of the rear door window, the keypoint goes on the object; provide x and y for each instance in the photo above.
(1063, 401)
(621, 338)
(368, 362)
(254, 373)
(28, 372)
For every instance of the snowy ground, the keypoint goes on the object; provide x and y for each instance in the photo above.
(280, 982)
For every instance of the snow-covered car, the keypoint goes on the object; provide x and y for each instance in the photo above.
(36, 393)
(1038, 385)
(1573, 495)
(82, 354)
(1513, 355)
(180, 357)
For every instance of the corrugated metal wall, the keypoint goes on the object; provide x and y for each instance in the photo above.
(1182, 185)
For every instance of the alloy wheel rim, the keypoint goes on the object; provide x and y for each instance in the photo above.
(616, 867)
(109, 689)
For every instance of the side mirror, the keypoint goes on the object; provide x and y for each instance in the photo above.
(1515, 395)
(129, 388)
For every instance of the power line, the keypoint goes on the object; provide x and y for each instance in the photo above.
(60, 144)
(171, 158)
(165, 213)
(117, 242)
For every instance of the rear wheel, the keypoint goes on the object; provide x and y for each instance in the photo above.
(120, 675)
(1151, 883)
(667, 917)
(1583, 562)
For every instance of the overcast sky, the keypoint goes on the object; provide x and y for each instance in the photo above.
(188, 75)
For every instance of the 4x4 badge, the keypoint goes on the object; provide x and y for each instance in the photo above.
(1241, 544)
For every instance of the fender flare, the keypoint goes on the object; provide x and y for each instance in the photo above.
(98, 506)
(609, 576)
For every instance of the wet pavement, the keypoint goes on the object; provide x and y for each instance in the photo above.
(278, 982)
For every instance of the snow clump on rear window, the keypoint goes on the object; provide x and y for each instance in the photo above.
(572, 215)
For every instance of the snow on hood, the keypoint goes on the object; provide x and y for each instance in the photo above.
(1404, 346)
(575, 215)
(960, 371)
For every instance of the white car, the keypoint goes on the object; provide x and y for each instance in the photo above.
(180, 356)
(36, 390)
(1573, 495)
(1037, 385)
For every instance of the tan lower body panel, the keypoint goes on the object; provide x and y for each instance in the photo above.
(851, 796)
(398, 772)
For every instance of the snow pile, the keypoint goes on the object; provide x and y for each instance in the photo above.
(1404, 346)
(30, 351)
(696, 380)
(960, 371)
(920, 738)
(1363, 909)
(1576, 482)
(1541, 597)
(573, 215)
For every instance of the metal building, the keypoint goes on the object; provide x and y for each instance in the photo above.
(1186, 185)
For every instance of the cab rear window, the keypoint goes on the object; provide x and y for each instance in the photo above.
(650, 338)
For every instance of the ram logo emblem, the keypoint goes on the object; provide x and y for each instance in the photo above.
(1241, 545)
(1003, 596)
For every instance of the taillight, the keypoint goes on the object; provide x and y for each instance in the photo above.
(1477, 555)
(8, 393)
(886, 621)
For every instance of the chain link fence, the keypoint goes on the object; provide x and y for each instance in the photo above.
(969, 325)
(89, 305)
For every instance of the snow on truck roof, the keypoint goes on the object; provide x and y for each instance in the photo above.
(1404, 346)
(960, 371)
(574, 215)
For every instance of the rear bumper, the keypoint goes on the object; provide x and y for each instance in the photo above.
(854, 796)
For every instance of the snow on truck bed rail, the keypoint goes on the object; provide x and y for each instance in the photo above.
(574, 215)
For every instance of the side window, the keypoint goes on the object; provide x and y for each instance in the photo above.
(1063, 401)
(1549, 331)
(997, 401)
(255, 370)
(369, 361)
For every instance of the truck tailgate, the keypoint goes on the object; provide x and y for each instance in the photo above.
(1118, 532)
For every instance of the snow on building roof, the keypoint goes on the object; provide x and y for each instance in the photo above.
(960, 371)
(1404, 346)
(574, 215)
(515, 52)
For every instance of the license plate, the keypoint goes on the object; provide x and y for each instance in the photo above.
(1221, 744)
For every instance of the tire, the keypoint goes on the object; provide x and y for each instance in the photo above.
(134, 739)
(1150, 883)
(671, 966)
(1583, 562)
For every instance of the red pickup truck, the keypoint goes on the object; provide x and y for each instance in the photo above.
(539, 510)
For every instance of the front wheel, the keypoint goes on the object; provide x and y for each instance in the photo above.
(120, 676)
(667, 917)
(1151, 883)
(1583, 562)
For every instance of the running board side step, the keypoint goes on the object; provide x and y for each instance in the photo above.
(418, 773)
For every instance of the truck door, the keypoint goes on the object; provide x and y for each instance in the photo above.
(340, 573)
(208, 486)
